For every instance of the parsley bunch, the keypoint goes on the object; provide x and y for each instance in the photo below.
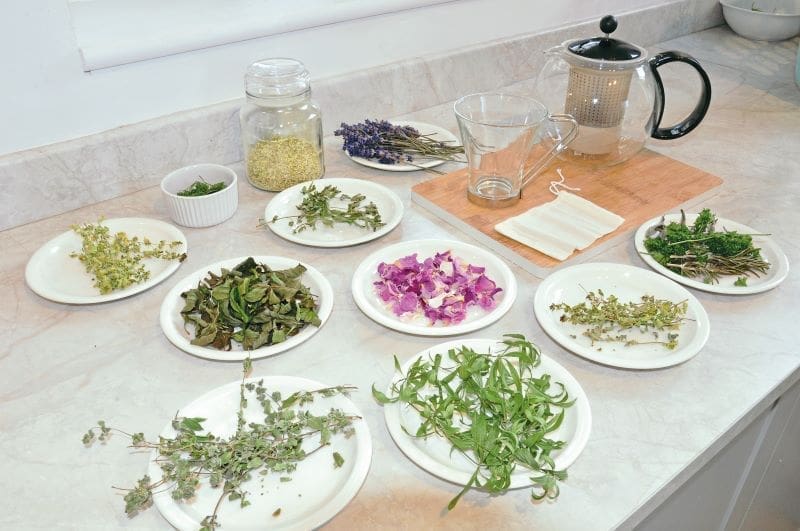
(700, 251)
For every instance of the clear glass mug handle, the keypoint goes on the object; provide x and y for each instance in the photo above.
(560, 143)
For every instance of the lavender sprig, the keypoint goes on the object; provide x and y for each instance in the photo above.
(393, 144)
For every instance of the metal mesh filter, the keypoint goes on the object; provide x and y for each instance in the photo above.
(596, 98)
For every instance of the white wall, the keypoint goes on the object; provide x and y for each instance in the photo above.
(46, 97)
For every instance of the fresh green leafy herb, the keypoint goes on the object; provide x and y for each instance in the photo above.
(490, 406)
(701, 251)
(740, 282)
(316, 208)
(338, 460)
(607, 318)
(272, 446)
(116, 262)
(201, 188)
(250, 304)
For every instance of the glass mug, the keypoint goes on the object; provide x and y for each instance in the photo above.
(508, 140)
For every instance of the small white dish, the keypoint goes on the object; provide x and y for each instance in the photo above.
(434, 454)
(204, 210)
(176, 331)
(341, 234)
(438, 133)
(376, 309)
(53, 274)
(317, 491)
(571, 284)
(763, 20)
(777, 273)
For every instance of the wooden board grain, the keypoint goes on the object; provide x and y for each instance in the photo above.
(647, 185)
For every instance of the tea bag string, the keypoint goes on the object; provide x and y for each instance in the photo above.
(557, 186)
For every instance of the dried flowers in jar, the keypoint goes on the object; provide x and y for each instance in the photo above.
(282, 161)
(281, 126)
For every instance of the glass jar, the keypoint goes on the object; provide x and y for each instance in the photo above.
(281, 126)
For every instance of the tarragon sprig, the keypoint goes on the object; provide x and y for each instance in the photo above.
(492, 408)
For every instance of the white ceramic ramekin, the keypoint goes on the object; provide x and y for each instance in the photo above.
(205, 210)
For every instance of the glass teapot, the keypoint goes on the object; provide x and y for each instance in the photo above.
(614, 91)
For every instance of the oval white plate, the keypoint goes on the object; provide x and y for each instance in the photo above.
(628, 283)
(777, 273)
(51, 272)
(341, 234)
(434, 453)
(317, 491)
(371, 304)
(439, 133)
(173, 325)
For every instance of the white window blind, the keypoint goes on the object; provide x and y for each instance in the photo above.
(116, 32)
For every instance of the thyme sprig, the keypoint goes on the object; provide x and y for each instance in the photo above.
(316, 208)
(116, 262)
(193, 456)
(607, 319)
(492, 408)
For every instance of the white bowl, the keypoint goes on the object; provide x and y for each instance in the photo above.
(763, 20)
(204, 210)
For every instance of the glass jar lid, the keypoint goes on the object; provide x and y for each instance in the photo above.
(276, 77)
(606, 49)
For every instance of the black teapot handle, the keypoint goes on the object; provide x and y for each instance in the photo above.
(694, 119)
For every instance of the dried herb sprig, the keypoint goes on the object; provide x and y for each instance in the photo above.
(394, 144)
(250, 304)
(200, 188)
(316, 208)
(607, 319)
(116, 262)
(700, 251)
(193, 455)
(492, 408)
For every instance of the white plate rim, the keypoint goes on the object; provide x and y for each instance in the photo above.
(362, 283)
(565, 458)
(363, 186)
(776, 274)
(115, 224)
(549, 324)
(173, 303)
(170, 509)
(422, 127)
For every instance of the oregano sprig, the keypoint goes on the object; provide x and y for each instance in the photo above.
(194, 457)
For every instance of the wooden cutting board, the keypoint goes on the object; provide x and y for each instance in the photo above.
(639, 189)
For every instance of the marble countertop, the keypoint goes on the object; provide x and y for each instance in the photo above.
(64, 367)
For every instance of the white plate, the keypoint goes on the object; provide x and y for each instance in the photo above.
(439, 133)
(434, 453)
(317, 491)
(173, 325)
(371, 304)
(777, 273)
(341, 234)
(628, 283)
(51, 272)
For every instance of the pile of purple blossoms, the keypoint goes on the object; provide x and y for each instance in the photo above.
(442, 287)
(376, 139)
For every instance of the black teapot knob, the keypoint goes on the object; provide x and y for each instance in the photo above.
(608, 24)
